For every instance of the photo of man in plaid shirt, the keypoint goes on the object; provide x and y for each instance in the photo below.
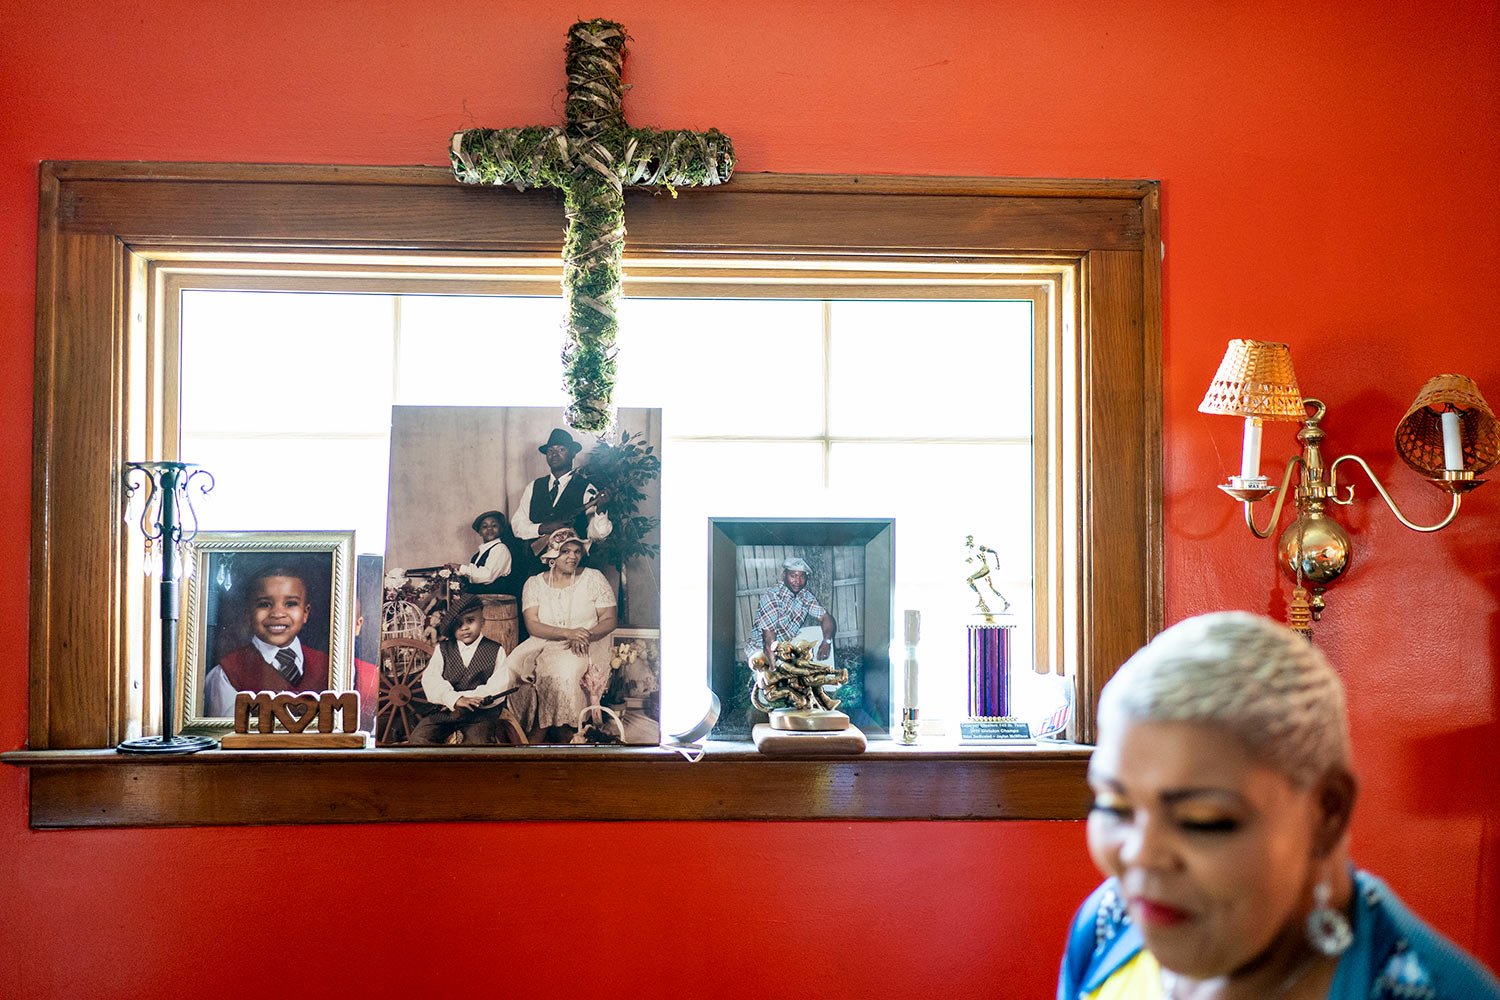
(785, 608)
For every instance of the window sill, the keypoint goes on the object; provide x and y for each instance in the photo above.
(102, 788)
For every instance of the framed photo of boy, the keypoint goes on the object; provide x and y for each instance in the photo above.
(265, 611)
(824, 581)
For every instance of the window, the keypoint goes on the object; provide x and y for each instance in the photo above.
(778, 404)
(109, 235)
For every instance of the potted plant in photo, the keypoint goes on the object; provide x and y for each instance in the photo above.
(624, 469)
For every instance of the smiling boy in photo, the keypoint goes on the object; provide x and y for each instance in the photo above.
(275, 659)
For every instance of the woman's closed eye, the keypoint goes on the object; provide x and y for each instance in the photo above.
(1119, 810)
(1208, 824)
(1113, 808)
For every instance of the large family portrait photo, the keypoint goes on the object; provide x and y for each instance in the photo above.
(522, 593)
(826, 583)
(266, 611)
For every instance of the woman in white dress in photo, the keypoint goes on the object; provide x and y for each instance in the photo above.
(569, 611)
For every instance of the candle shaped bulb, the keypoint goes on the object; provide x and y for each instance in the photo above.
(1453, 442)
(913, 621)
(1250, 452)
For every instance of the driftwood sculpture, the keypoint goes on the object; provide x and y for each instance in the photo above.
(794, 681)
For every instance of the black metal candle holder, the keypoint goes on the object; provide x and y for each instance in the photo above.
(166, 485)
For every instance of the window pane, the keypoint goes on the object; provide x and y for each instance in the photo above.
(480, 350)
(743, 478)
(930, 369)
(725, 366)
(285, 362)
(718, 368)
(294, 484)
(940, 495)
(717, 479)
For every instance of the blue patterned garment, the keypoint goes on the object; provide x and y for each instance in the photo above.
(1394, 955)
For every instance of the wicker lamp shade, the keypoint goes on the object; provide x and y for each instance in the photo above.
(1255, 379)
(1419, 435)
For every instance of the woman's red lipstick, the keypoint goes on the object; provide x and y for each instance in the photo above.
(1158, 914)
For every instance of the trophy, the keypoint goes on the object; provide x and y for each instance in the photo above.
(989, 718)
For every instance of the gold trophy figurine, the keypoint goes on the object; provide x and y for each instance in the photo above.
(982, 554)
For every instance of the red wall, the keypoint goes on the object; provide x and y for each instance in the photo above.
(1329, 177)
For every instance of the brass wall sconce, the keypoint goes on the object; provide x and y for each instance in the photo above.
(1449, 436)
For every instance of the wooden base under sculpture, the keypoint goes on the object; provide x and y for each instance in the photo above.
(808, 731)
(831, 743)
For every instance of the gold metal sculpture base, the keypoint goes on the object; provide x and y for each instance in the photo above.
(777, 742)
(808, 720)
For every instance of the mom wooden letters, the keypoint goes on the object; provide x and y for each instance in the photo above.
(294, 713)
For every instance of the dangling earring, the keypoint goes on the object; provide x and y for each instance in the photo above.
(1327, 929)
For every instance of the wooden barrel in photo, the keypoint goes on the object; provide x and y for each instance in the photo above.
(501, 619)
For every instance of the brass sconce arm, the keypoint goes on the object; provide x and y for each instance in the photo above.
(1333, 476)
(1249, 498)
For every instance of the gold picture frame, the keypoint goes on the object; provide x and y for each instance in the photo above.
(216, 638)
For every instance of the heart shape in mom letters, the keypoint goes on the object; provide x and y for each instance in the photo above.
(295, 712)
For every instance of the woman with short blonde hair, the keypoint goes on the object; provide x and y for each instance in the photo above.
(1222, 796)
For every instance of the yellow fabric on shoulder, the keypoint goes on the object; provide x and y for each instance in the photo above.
(1137, 979)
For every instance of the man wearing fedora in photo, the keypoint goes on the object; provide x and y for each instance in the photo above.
(564, 498)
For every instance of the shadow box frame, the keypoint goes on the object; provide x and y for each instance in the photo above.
(727, 535)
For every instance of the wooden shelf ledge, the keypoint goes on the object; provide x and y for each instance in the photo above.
(102, 788)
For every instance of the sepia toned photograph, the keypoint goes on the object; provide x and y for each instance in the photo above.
(522, 594)
(266, 611)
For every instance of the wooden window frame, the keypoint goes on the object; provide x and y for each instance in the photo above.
(101, 224)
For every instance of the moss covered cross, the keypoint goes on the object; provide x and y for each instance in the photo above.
(592, 158)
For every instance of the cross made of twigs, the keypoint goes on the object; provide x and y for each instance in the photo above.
(592, 158)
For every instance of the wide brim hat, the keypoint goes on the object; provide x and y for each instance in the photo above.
(449, 623)
(558, 539)
(795, 565)
(489, 513)
(562, 437)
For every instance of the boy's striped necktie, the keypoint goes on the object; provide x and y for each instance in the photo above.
(286, 665)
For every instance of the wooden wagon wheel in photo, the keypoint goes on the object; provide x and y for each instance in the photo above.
(402, 703)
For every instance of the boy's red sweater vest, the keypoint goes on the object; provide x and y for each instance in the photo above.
(248, 672)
